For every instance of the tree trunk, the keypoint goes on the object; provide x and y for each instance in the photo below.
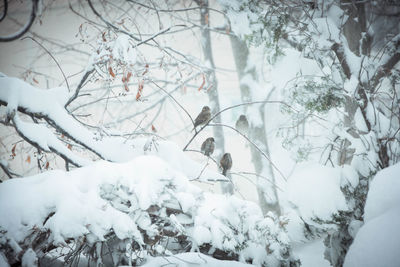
(267, 193)
(212, 85)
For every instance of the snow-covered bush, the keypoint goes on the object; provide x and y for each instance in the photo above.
(120, 213)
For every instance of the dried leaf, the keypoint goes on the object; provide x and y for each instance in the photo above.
(104, 36)
(140, 89)
(35, 81)
(13, 150)
(28, 159)
(206, 18)
(69, 146)
(203, 83)
(47, 165)
(153, 129)
(110, 70)
(126, 87)
(146, 70)
(128, 76)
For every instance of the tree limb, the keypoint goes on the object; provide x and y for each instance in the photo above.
(339, 51)
(14, 36)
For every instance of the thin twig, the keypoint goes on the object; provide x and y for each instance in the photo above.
(48, 52)
(173, 98)
(259, 149)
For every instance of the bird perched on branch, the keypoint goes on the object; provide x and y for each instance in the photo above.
(226, 163)
(242, 124)
(208, 146)
(203, 117)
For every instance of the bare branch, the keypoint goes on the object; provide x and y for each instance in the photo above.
(14, 36)
(5, 10)
(384, 70)
(80, 85)
(338, 49)
(9, 173)
(109, 24)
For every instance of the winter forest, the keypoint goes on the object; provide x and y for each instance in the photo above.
(200, 133)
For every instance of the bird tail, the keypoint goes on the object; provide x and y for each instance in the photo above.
(224, 171)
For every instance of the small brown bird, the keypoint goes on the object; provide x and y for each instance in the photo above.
(208, 146)
(242, 124)
(203, 117)
(226, 163)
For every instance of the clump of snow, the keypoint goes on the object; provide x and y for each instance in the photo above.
(384, 192)
(326, 30)
(377, 242)
(227, 221)
(315, 190)
(243, 20)
(29, 259)
(3, 259)
(312, 254)
(122, 50)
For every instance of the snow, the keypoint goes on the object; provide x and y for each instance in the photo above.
(50, 103)
(91, 202)
(327, 30)
(122, 50)
(383, 194)
(377, 242)
(315, 190)
(360, 121)
(191, 259)
(312, 254)
(352, 59)
(351, 85)
(29, 259)
(46, 140)
(241, 24)
(335, 13)
(3, 260)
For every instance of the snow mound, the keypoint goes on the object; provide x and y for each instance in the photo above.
(315, 190)
(377, 242)
(384, 192)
